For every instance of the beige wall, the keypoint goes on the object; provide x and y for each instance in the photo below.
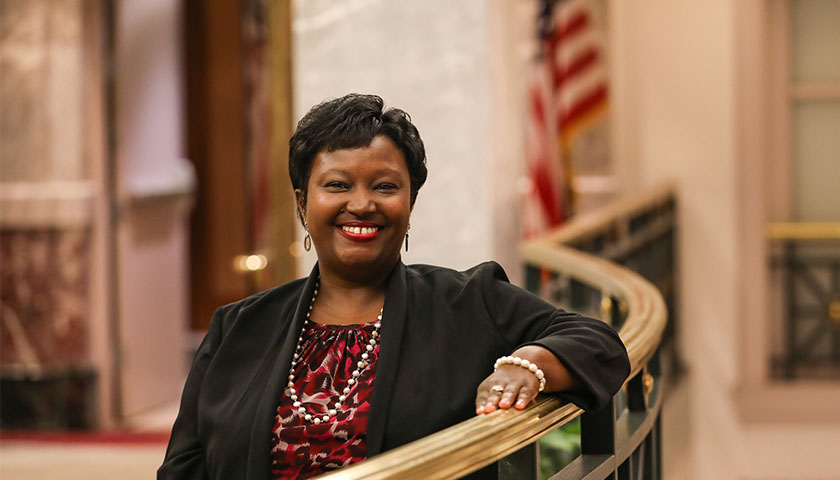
(676, 72)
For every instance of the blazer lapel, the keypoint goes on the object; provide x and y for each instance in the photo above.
(259, 450)
(393, 324)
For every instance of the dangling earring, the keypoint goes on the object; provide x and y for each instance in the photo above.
(307, 240)
(406, 236)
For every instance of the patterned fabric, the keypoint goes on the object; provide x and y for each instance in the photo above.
(300, 449)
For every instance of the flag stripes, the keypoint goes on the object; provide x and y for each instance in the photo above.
(568, 93)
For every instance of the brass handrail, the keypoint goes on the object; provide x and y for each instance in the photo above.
(803, 230)
(472, 444)
(581, 227)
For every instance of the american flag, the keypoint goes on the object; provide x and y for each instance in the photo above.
(567, 95)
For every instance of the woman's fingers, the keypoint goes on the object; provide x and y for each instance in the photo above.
(481, 398)
(493, 399)
(524, 398)
(509, 395)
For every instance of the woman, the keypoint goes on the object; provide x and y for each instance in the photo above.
(367, 354)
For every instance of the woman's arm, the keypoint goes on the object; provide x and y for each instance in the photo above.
(581, 357)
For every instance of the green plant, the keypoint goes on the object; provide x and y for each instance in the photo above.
(558, 448)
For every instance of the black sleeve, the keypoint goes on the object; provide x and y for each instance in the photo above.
(185, 458)
(589, 349)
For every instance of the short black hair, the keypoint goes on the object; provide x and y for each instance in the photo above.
(353, 121)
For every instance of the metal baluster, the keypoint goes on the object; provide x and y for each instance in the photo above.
(790, 298)
(834, 309)
(523, 464)
(597, 432)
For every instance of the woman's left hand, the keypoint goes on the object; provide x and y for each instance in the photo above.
(508, 386)
(511, 385)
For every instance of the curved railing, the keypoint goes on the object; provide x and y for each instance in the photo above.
(608, 437)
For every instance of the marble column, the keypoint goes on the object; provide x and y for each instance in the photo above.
(46, 205)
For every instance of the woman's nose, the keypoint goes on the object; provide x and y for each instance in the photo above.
(361, 202)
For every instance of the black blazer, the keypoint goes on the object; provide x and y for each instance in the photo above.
(441, 332)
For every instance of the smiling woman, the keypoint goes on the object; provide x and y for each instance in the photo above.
(367, 354)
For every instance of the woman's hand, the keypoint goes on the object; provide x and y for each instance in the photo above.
(508, 386)
(511, 385)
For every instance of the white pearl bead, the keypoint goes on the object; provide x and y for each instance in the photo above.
(326, 418)
(372, 342)
(369, 348)
(316, 421)
(342, 398)
(361, 364)
(332, 412)
(374, 334)
(517, 361)
(356, 373)
(364, 356)
(377, 324)
(302, 410)
(533, 368)
(292, 391)
(337, 405)
(296, 404)
(526, 363)
(307, 417)
(351, 381)
(293, 397)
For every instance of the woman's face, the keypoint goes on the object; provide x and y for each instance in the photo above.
(357, 208)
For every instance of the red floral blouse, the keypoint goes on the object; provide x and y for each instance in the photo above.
(301, 449)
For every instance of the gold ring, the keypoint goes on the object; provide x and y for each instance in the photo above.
(498, 388)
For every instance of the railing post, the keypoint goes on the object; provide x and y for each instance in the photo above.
(597, 432)
(790, 298)
(653, 453)
(636, 398)
(532, 279)
(523, 464)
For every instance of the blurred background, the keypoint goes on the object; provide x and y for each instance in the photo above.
(143, 183)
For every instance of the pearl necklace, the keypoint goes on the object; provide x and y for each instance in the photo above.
(360, 366)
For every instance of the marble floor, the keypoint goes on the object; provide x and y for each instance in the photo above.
(27, 459)
(31, 461)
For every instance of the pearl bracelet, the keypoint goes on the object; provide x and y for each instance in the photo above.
(521, 362)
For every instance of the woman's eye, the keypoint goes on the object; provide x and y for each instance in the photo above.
(337, 185)
(386, 186)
